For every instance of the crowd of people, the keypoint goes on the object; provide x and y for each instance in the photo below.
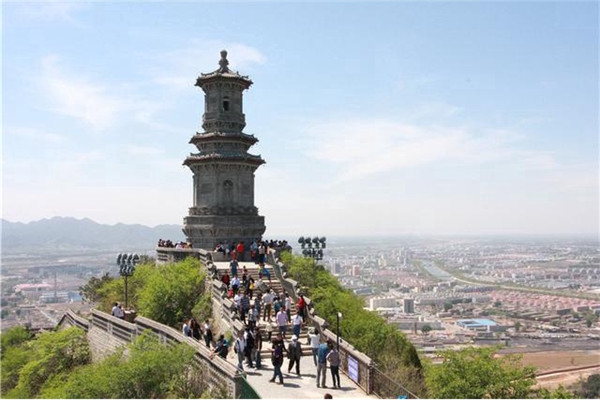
(169, 244)
(256, 251)
(256, 301)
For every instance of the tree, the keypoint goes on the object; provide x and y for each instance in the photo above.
(51, 354)
(447, 305)
(590, 388)
(497, 303)
(475, 373)
(14, 337)
(426, 329)
(150, 370)
(89, 291)
(367, 331)
(517, 326)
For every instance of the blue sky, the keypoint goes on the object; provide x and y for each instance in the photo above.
(374, 118)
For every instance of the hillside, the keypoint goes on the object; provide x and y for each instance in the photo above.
(66, 233)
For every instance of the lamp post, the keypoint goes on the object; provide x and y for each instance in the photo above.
(313, 247)
(339, 316)
(126, 263)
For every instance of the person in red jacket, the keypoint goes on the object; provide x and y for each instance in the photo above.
(240, 251)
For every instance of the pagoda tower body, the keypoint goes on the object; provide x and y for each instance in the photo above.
(223, 209)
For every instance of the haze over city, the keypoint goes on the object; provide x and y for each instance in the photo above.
(374, 119)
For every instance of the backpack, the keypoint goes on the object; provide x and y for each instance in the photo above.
(224, 349)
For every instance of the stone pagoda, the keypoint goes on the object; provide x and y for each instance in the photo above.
(223, 208)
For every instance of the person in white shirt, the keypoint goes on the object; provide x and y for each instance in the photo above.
(239, 347)
(281, 319)
(297, 324)
(115, 310)
(268, 299)
(288, 308)
(314, 338)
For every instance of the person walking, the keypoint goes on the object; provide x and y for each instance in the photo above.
(234, 267)
(288, 307)
(296, 324)
(268, 299)
(257, 348)
(239, 346)
(334, 363)
(277, 354)
(208, 336)
(314, 339)
(294, 354)
(324, 349)
(240, 249)
(244, 307)
(249, 350)
(281, 320)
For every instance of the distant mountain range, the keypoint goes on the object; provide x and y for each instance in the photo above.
(66, 233)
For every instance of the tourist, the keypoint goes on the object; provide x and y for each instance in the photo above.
(302, 307)
(264, 271)
(244, 307)
(257, 306)
(288, 307)
(221, 348)
(328, 396)
(262, 251)
(294, 354)
(297, 324)
(276, 304)
(239, 346)
(268, 299)
(314, 339)
(257, 348)
(240, 250)
(334, 363)
(252, 317)
(324, 349)
(269, 329)
(208, 336)
(277, 355)
(254, 251)
(249, 350)
(225, 279)
(187, 329)
(115, 310)
(233, 265)
(195, 328)
(250, 286)
(235, 284)
(120, 312)
(281, 319)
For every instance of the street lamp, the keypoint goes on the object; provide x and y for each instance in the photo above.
(126, 263)
(313, 247)
(339, 316)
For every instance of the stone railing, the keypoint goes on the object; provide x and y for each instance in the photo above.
(218, 373)
(356, 365)
(71, 319)
(166, 255)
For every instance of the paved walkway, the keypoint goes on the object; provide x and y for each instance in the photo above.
(294, 386)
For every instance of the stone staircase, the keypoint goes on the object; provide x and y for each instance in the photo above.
(253, 271)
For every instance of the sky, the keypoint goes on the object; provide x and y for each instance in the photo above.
(374, 118)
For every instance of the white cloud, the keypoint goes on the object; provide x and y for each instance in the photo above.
(32, 134)
(49, 10)
(362, 148)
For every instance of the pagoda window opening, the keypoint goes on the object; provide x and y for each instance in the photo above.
(226, 104)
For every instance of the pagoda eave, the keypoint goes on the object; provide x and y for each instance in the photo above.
(222, 137)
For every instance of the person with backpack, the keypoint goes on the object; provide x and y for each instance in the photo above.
(334, 364)
(239, 346)
(294, 354)
(277, 354)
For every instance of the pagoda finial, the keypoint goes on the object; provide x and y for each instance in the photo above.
(223, 63)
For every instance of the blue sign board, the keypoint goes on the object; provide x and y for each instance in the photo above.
(353, 368)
